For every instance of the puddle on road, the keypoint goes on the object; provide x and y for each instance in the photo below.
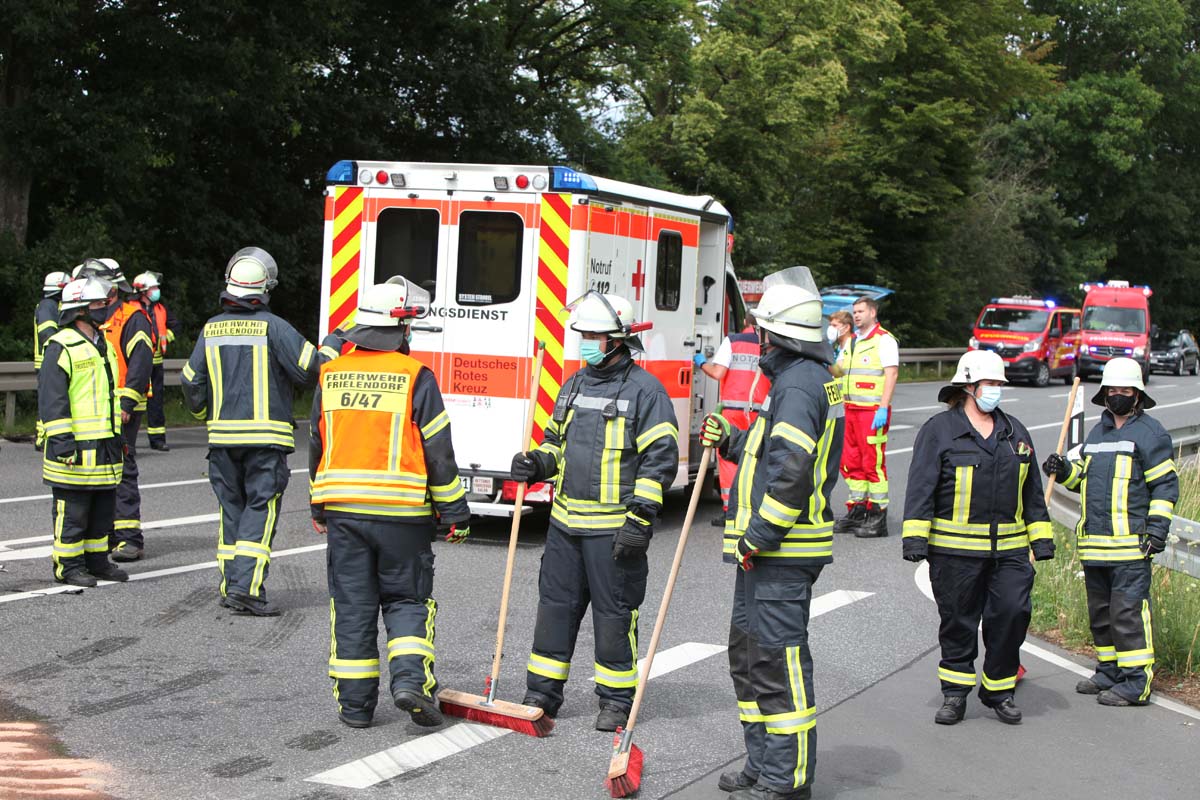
(34, 764)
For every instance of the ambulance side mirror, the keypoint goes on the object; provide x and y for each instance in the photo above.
(708, 282)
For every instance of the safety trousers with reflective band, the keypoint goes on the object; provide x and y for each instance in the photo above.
(995, 591)
(576, 571)
(864, 457)
(249, 483)
(156, 419)
(1120, 617)
(771, 667)
(82, 519)
(379, 565)
(127, 518)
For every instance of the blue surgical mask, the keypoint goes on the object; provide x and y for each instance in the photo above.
(154, 295)
(590, 350)
(988, 398)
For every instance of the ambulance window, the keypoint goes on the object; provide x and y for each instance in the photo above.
(407, 241)
(737, 308)
(669, 271)
(489, 257)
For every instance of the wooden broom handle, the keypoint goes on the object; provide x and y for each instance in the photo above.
(1062, 436)
(644, 674)
(518, 505)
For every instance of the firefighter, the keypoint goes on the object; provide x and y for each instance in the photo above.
(871, 367)
(383, 470)
(131, 337)
(81, 462)
(974, 508)
(1129, 485)
(45, 323)
(743, 388)
(611, 446)
(240, 380)
(148, 285)
(780, 533)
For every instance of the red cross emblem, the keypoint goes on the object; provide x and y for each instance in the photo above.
(639, 281)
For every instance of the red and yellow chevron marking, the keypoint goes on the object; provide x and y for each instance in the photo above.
(549, 324)
(347, 248)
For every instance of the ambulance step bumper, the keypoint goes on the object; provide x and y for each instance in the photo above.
(496, 509)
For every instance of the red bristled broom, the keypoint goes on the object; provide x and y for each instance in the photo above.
(485, 708)
(625, 768)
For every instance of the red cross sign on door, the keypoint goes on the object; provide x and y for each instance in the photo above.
(639, 281)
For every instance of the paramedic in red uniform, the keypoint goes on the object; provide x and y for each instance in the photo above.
(734, 366)
(872, 367)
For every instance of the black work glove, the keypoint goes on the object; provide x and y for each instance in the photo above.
(525, 468)
(1151, 545)
(745, 553)
(1043, 549)
(633, 539)
(916, 548)
(1057, 466)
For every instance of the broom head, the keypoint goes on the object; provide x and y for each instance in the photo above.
(625, 769)
(529, 720)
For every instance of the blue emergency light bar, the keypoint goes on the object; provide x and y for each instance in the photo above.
(565, 179)
(1087, 287)
(1024, 300)
(343, 172)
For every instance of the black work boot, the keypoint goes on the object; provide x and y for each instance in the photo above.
(354, 721)
(1087, 686)
(537, 701)
(953, 710)
(247, 606)
(126, 551)
(732, 781)
(875, 525)
(611, 717)
(1007, 711)
(77, 577)
(757, 792)
(855, 516)
(110, 572)
(422, 709)
(161, 447)
(1110, 698)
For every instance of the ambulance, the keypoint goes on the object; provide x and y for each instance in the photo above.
(503, 249)
(1116, 322)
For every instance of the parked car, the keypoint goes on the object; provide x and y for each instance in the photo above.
(1174, 352)
(842, 296)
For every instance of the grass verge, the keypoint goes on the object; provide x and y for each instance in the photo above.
(1060, 615)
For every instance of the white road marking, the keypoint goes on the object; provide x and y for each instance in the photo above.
(921, 578)
(25, 552)
(1007, 399)
(155, 573)
(141, 487)
(29, 552)
(898, 427)
(1090, 420)
(422, 751)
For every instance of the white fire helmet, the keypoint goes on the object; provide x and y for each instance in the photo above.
(246, 277)
(260, 256)
(82, 292)
(145, 282)
(979, 365)
(1123, 372)
(791, 306)
(54, 283)
(388, 305)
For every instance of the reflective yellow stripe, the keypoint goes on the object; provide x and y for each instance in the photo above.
(959, 678)
(131, 345)
(548, 667)
(1148, 666)
(790, 433)
(216, 380)
(748, 711)
(964, 479)
(1122, 471)
(306, 356)
(409, 646)
(610, 460)
(1040, 530)
(381, 509)
(448, 493)
(1106, 653)
(353, 668)
(188, 372)
(431, 428)
(777, 513)
(1162, 508)
(617, 679)
(1159, 470)
(999, 684)
(654, 434)
(648, 489)
(916, 527)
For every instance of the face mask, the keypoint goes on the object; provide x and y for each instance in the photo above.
(831, 333)
(590, 350)
(154, 295)
(99, 316)
(1120, 404)
(987, 398)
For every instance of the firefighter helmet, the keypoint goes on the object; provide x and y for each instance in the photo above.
(246, 277)
(262, 257)
(974, 366)
(791, 306)
(385, 312)
(145, 282)
(54, 283)
(608, 314)
(79, 294)
(1123, 372)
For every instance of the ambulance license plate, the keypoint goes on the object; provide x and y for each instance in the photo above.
(483, 485)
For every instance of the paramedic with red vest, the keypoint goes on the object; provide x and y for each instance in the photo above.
(384, 471)
(149, 288)
(872, 369)
(735, 366)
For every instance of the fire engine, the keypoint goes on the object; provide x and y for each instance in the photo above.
(1116, 322)
(503, 249)
(1035, 337)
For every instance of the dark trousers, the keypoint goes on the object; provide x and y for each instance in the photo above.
(82, 522)
(1120, 616)
(576, 571)
(156, 420)
(127, 518)
(996, 591)
(249, 484)
(379, 565)
(772, 671)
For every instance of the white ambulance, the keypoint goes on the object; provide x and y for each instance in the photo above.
(502, 249)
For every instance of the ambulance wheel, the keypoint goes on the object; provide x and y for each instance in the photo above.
(1041, 378)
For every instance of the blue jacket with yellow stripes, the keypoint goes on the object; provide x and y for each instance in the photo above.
(242, 373)
(787, 464)
(1128, 486)
(45, 325)
(611, 446)
(970, 496)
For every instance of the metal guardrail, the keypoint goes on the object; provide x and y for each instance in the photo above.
(931, 355)
(19, 376)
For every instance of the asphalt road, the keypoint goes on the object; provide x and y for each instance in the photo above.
(180, 699)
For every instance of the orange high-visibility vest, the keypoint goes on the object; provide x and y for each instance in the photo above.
(864, 378)
(373, 459)
(735, 388)
(114, 331)
(163, 336)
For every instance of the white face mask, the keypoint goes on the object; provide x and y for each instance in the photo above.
(831, 333)
(988, 397)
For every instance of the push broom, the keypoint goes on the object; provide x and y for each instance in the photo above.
(486, 708)
(625, 768)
